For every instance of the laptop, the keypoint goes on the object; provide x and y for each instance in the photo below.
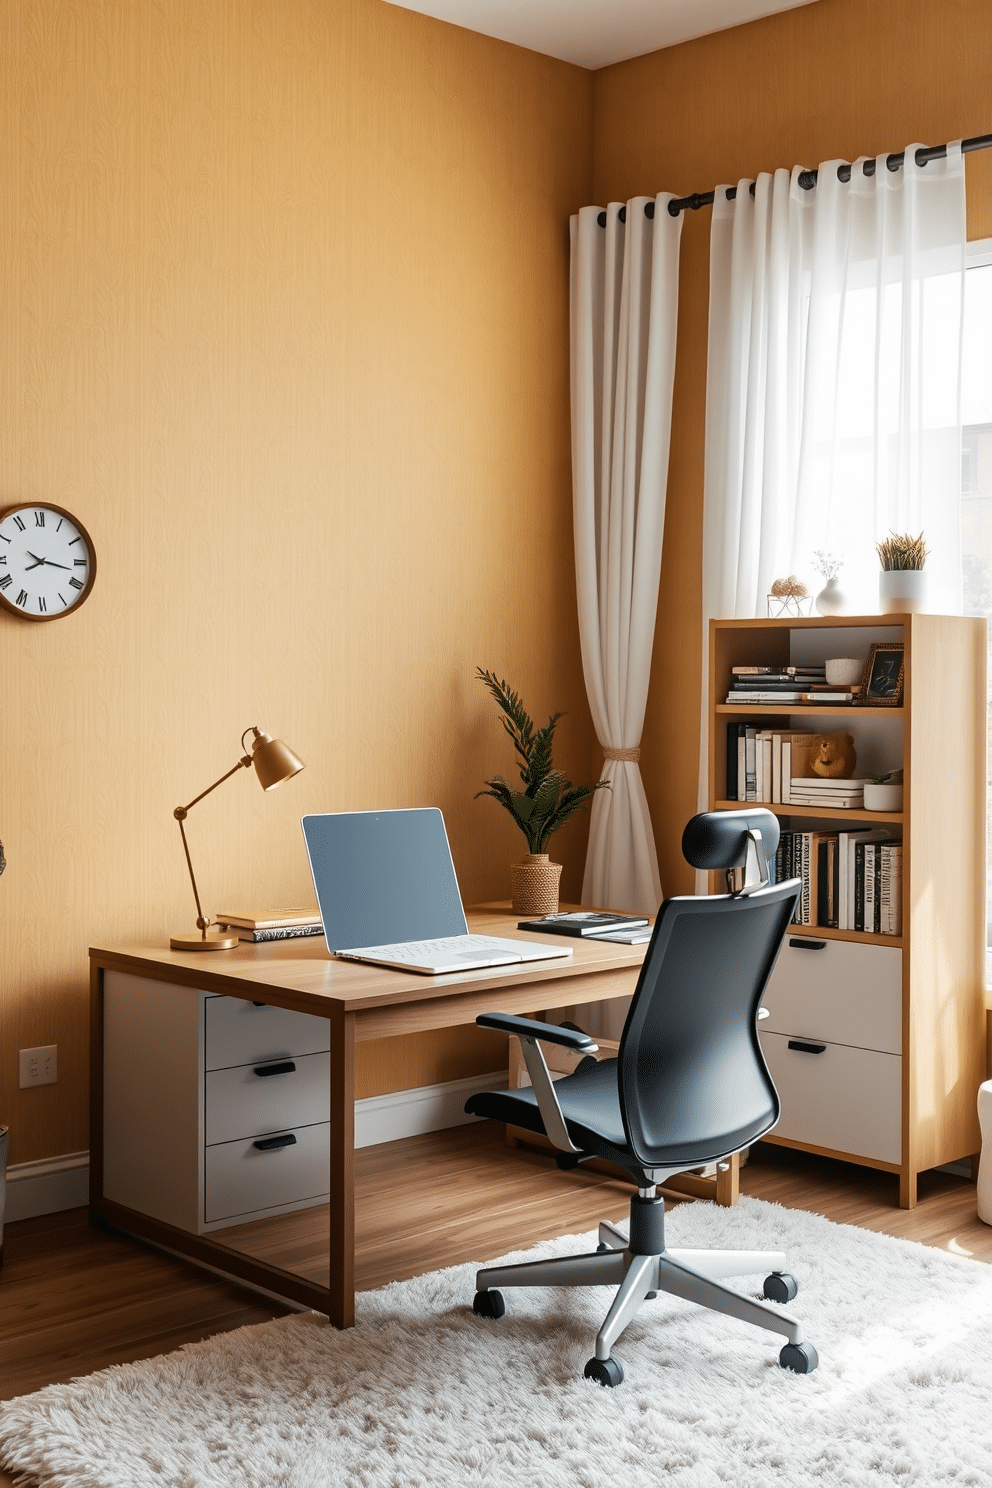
(387, 891)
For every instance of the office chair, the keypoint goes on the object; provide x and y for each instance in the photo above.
(689, 1087)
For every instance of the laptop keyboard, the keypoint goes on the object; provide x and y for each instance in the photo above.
(465, 947)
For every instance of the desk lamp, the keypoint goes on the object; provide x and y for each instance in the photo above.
(274, 762)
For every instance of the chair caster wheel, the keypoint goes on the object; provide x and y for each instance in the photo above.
(489, 1304)
(780, 1287)
(801, 1358)
(604, 1372)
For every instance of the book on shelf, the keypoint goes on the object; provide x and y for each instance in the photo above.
(850, 880)
(811, 669)
(584, 922)
(273, 932)
(271, 919)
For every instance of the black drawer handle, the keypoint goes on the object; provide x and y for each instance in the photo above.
(286, 1067)
(808, 945)
(807, 1048)
(270, 1144)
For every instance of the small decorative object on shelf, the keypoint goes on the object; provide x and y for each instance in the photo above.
(787, 597)
(881, 685)
(902, 582)
(833, 756)
(830, 600)
(545, 804)
(884, 792)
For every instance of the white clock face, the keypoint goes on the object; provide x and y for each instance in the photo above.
(47, 563)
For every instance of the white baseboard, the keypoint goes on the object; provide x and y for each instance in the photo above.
(47, 1186)
(57, 1183)
(408, 1113)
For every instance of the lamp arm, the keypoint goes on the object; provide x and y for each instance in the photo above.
(180, 815)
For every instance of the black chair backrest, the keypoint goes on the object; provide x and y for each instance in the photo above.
(693, 1082)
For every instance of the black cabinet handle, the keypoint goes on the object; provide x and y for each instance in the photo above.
(808, 945)
(258, 1004)
(286, 1067)
(270, 1144)
(807, 1048)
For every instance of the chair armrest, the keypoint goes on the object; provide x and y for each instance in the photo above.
(528, 1031)
(551, 1033)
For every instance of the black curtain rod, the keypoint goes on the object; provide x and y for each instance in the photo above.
(807, 179)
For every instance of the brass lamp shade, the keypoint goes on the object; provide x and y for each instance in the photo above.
(274, 761)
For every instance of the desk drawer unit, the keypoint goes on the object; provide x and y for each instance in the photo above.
(833, 1041)
(194, 1082)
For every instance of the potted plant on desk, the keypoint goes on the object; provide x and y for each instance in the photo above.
(545, 804)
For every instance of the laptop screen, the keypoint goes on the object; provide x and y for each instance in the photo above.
(383, 877)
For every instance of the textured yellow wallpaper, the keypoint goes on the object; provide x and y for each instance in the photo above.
(284, 322)
(837, 79)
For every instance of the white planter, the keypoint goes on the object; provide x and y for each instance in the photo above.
(884, 797)
(902, 591)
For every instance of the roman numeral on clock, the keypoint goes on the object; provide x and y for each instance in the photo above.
(6, 581)
(39, 519)
(42, 607)
(76, 583)
(22, 599)
(19, 523)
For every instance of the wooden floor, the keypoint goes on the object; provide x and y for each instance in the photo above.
(75, 1299)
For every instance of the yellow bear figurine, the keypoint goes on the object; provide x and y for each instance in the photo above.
(833, 756)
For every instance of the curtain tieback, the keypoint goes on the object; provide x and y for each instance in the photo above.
(622, 754)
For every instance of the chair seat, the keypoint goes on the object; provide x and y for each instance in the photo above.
(590, 1103)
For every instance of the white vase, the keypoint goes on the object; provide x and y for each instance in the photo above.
(902, 591)
(831, 600)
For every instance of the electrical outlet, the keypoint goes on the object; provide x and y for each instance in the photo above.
(39, 1066)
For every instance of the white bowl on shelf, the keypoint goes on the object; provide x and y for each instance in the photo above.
(884, 797)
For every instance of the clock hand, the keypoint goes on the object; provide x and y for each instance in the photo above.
(36, 563)
(52, 564)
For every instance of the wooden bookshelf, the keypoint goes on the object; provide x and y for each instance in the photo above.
(877, 1043)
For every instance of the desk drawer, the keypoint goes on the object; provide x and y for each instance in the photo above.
(844, 993)
(256, 1098)
(238, 1032)
(240, 1179)
(848, 1100)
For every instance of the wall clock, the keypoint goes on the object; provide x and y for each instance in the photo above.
(47, 561)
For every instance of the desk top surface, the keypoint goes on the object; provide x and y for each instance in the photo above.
(309, 978)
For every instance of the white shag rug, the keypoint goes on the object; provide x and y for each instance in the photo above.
(423, 1394)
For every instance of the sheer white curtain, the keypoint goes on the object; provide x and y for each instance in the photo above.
(624, 308)
(833, 381)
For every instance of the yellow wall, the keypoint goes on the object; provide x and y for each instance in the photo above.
(284, 322)
(837, 79)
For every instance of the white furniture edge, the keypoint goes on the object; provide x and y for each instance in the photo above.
(53, 1184)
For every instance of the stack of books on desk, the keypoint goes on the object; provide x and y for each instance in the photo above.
(804, 685)
(275, 924)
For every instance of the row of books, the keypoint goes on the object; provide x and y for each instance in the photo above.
(774, 765)
(788, 684)
(851, 880)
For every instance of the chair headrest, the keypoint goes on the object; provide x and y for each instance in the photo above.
(719, 839)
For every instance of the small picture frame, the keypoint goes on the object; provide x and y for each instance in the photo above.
(882, 681)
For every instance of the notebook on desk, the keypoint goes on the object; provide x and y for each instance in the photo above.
(387, 891)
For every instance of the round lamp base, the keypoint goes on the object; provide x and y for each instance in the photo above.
(203, 943)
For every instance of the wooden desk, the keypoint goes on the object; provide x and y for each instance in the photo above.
(359, 1002)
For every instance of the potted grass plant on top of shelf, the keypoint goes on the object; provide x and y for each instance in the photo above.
(902, 582)
(546, 802)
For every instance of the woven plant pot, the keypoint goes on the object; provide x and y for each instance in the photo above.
(534, 885)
